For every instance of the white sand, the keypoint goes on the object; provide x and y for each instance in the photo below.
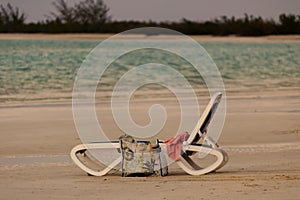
(261, 135)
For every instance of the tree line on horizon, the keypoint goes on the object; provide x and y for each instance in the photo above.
(91, 16)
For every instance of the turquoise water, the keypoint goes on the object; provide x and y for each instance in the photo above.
(33, 69)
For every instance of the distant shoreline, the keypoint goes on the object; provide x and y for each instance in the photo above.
(63, 36)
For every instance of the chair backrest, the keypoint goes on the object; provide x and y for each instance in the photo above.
(205, 119)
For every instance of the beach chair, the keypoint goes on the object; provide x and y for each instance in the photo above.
(196, 143)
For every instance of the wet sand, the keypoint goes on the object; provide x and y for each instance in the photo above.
(261, 135)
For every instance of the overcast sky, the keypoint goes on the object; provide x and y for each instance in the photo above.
(172, 10)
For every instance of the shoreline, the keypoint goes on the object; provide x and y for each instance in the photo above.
(146, 96)
(97, 36)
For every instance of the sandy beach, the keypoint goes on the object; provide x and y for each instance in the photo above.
(261, 136)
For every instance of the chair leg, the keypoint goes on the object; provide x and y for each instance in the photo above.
(221, 156)
(225, 159)
(81, 148)
(191, 162)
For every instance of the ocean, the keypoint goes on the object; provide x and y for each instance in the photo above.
(46, 69)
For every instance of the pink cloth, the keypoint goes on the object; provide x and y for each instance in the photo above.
(174, 145)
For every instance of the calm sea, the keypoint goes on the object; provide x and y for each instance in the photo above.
(46, 69)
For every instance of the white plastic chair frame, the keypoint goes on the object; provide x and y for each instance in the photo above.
(197, 142)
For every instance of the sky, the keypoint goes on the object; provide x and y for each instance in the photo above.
(170, 10)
